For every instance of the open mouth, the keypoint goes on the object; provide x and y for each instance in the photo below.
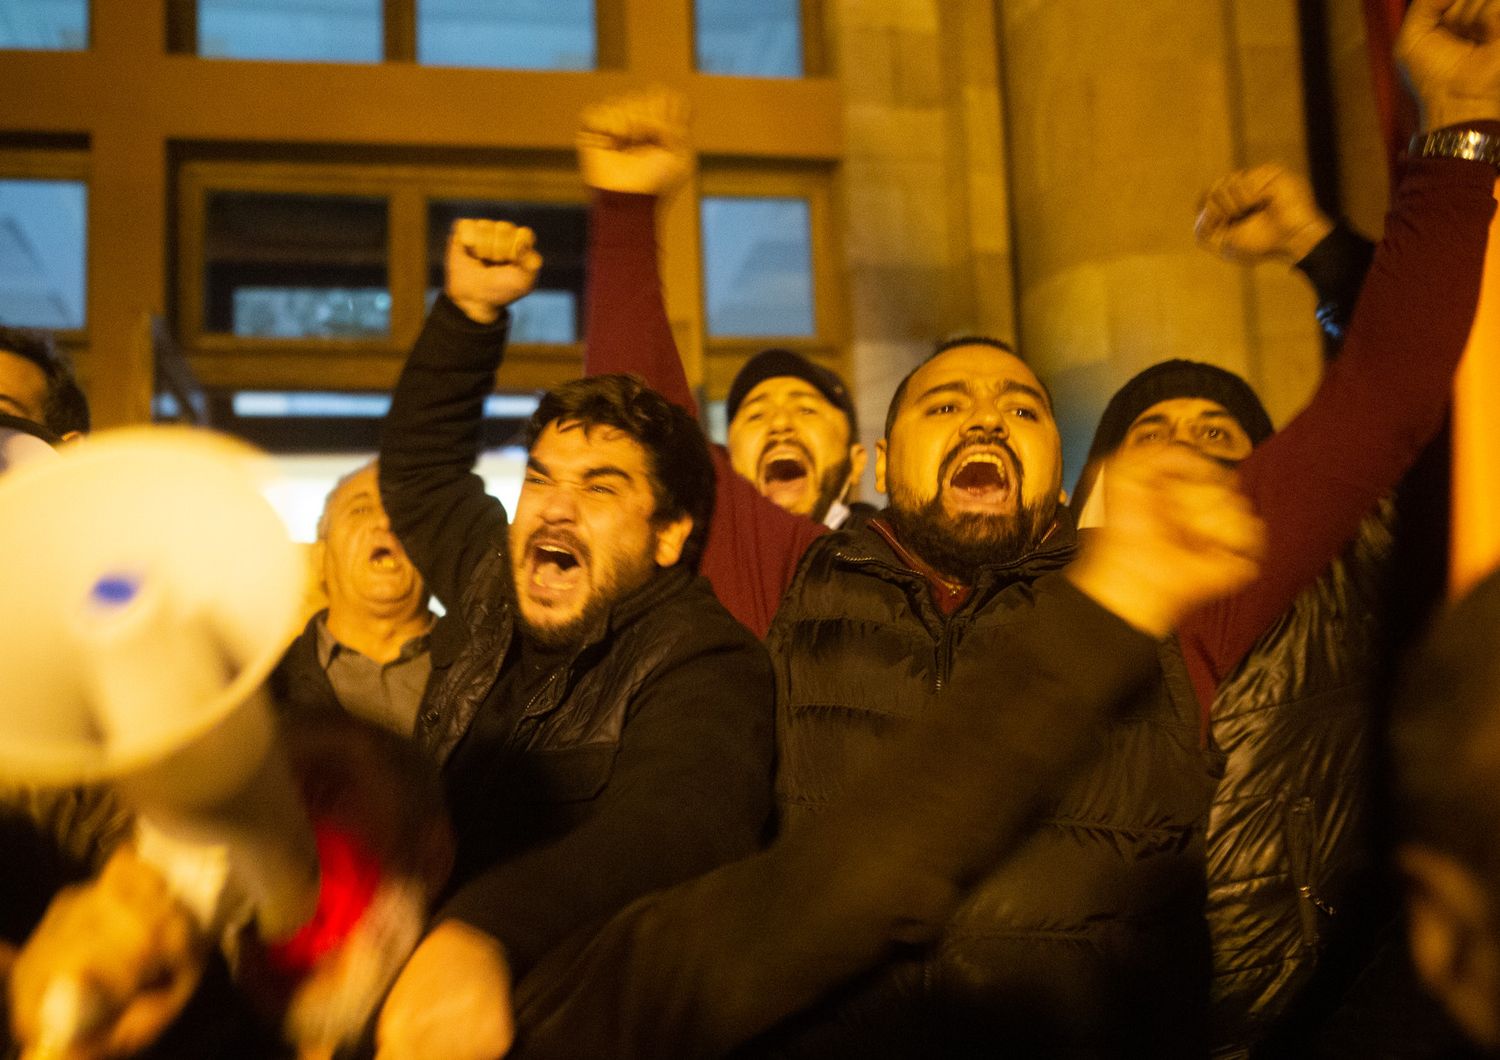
(383, 558)
(784, 469)
(785, 474)
(982, 477)
(556, 565)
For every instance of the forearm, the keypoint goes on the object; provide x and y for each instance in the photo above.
(1336, 268)
(1377, 406)
(628, 330)
(431, 439)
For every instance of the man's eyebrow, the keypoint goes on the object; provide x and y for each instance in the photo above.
(1014, 386)
(1156, 419)
(954, 386)
(533, 464)
(607, 471)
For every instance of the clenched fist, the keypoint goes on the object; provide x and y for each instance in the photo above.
(636, 143)
(490, 264)
(1260, 214)
(1177, 534)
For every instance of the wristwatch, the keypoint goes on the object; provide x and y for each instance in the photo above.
(1455, 141)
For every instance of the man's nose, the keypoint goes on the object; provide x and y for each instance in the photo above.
(560, 506)
(986, 415)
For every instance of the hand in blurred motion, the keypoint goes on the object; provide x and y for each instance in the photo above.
(490, 264)
(1449, 51)
(636, 143)
(109, 967)
(451, 1001)
(1177, 533)
(1266, 213)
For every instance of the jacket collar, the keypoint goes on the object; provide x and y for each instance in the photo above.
(876, 546)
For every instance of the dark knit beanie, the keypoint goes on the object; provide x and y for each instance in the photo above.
(768, 364)
(1178, 379)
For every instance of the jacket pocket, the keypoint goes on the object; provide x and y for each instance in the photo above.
(1301, 845)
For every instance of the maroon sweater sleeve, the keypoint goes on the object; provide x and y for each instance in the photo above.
(1376, 408)
(753, 546)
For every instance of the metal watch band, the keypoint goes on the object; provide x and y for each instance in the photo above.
(1457, 142)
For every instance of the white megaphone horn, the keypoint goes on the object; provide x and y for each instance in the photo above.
(148, 591)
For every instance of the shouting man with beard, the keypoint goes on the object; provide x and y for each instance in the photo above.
(603, 723)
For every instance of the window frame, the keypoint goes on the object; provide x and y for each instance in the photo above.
(70, 164)
(230, 361)
(828, 345)
(399, 35)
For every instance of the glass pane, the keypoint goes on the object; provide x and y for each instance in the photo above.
(513, 34)
(757, 267)
(295, 266)
(553, 311)
(339, 31)
(760, 39)
(51, 25)
(43, 248)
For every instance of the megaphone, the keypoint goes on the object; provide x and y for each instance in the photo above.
(148, 591)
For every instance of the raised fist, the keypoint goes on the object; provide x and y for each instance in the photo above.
(1449, 51)
(1177, 534)
(1262, 214)
(489, 265)
(636, 143)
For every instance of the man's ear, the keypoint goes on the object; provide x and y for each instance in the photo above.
(1453, 941)
(880, 458)
(670, 539)
(859, 456)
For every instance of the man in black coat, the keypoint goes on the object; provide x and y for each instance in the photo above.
(604, 724)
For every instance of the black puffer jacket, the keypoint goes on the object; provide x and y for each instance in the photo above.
(640, 760)
(1090, 938)
(1288, 834)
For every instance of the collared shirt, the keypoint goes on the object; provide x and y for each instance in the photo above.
(387, 694)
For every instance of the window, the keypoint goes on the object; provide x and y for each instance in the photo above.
(349, 31)
(502, 34)
(44, 25)
(317, 275)
(295, 266)
(512, 34)
(43, 252)
(757, 266)
(760, 39)
(770, 270)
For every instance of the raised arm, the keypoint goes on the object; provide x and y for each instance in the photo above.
(438, 507)
(1380, 403)
(633, 152)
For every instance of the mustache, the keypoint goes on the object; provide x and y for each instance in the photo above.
(560, 538)
(795, 443)
(986, 440)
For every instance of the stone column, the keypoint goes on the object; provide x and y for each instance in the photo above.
(1120, 113)
(926, 218)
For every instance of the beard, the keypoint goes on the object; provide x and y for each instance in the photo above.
(623, 579)
(831, 488)
(956, 546)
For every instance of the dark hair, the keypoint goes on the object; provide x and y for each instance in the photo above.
(682, 472)
(64, 408)
(1445, 735)
(938, 350)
